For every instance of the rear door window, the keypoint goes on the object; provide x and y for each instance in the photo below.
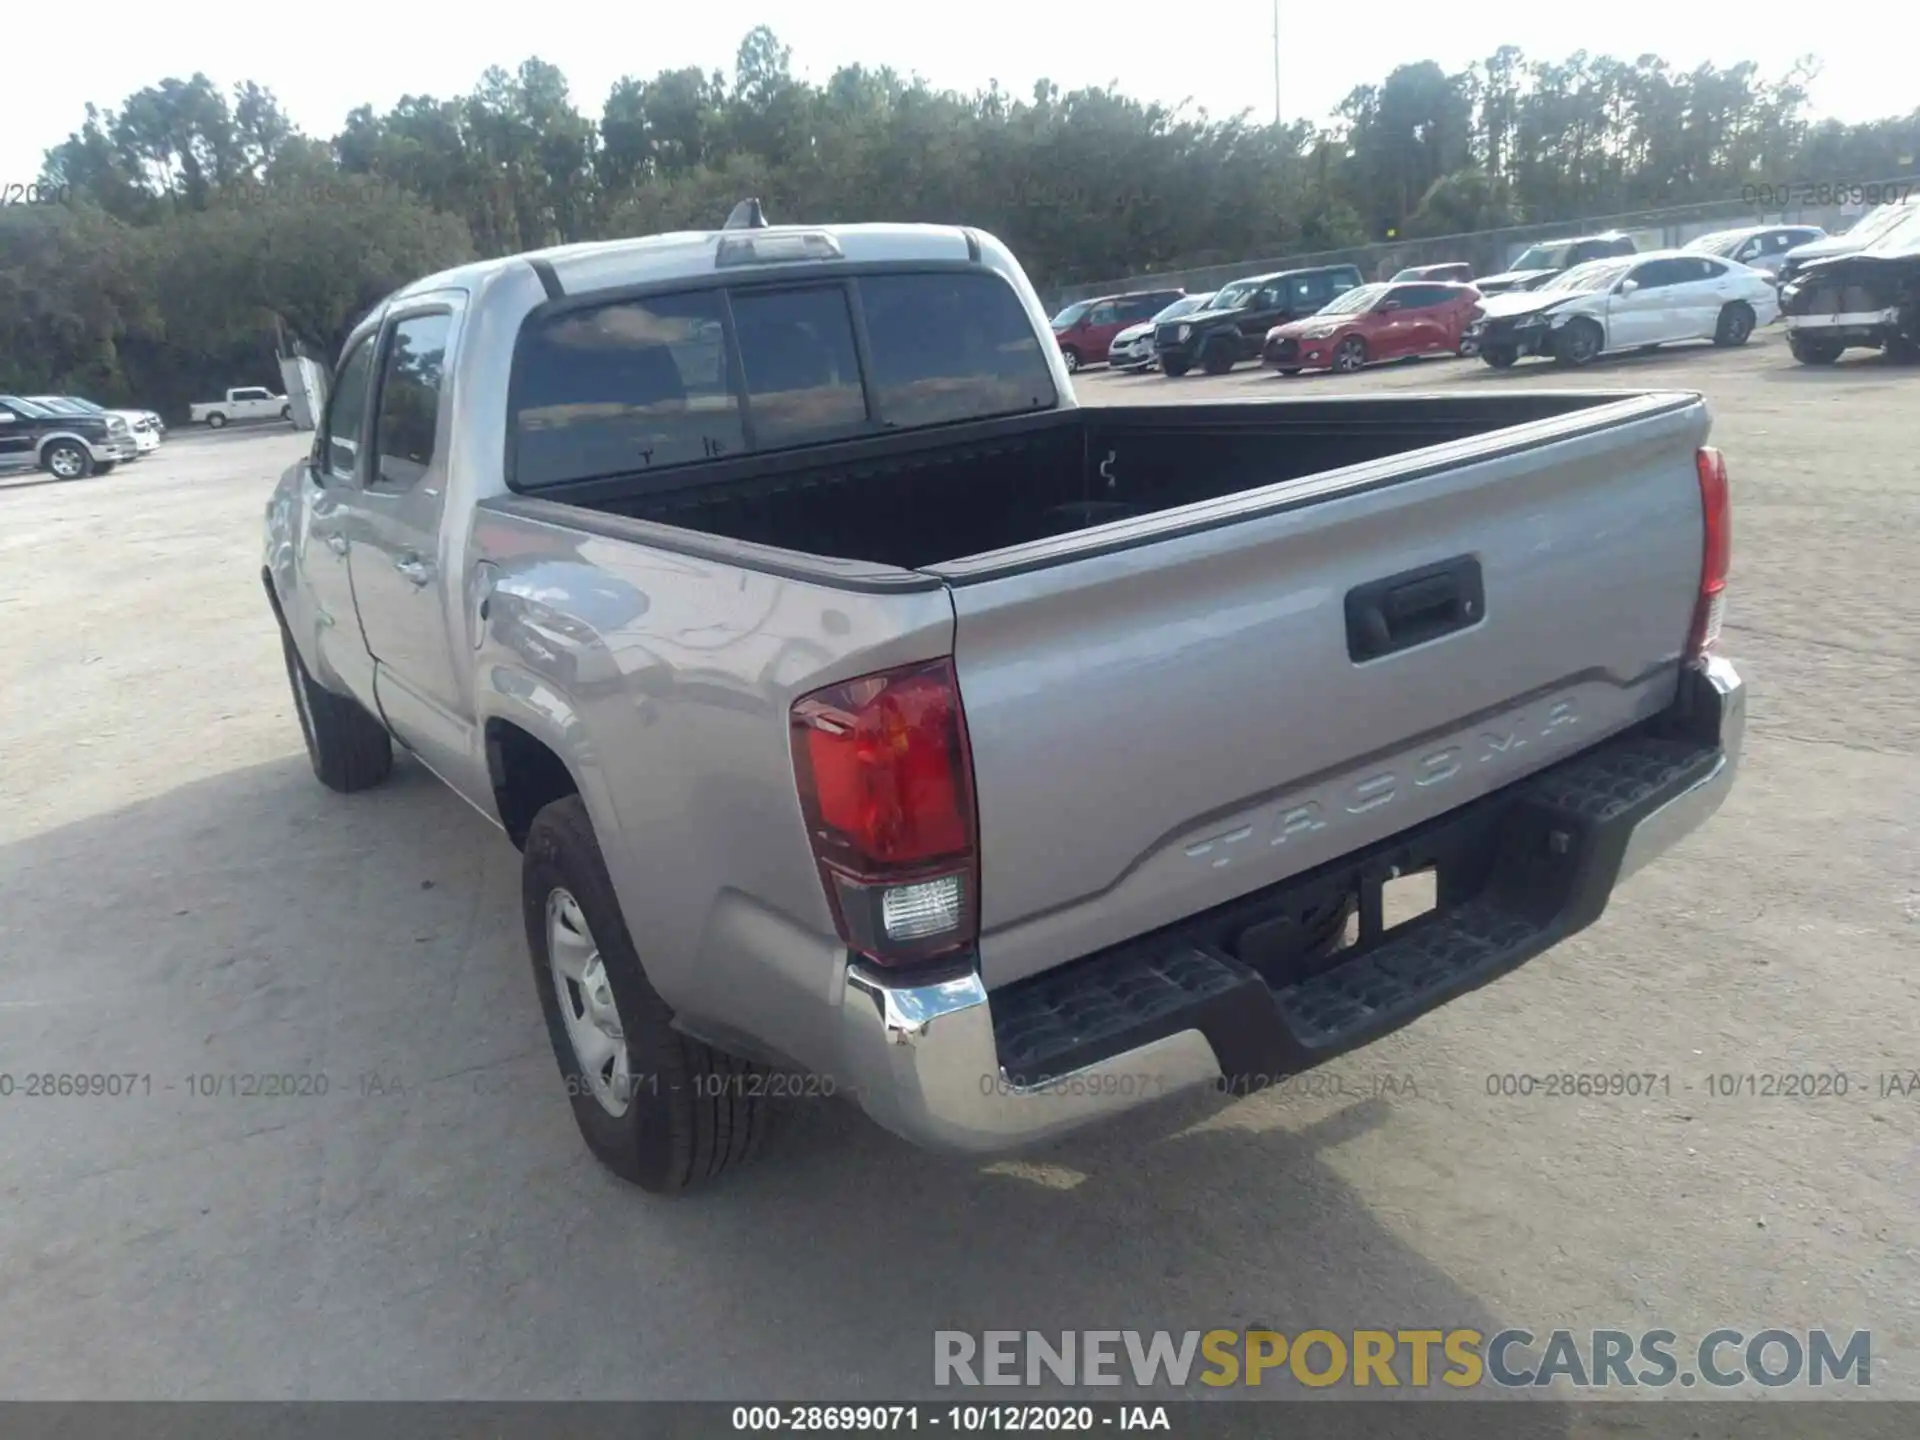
(409, 405)
(950, 345)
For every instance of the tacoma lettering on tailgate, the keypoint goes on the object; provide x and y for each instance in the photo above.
(1488, 753)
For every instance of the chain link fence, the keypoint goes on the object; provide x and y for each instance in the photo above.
(1491, 251)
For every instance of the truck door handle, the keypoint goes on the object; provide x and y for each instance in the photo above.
(337, 544)
(414, 568)
(1414, 607)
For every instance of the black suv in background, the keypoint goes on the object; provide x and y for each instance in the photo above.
(1234, 325)
(67, 447)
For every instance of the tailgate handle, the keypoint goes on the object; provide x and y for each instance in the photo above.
(1414, 607)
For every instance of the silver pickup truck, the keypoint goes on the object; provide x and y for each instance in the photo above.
(873, 719)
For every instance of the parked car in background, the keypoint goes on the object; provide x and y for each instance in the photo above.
(1085, 330)
(805, 727)
(1869, 299)
(248, 402)
(66, 446)
(1375, 323)
(1863, 232)
(1763, 247)
(1453, 273)
(1537, 264)
(147, 426)
(1132, 348)
(1638, 303)
(1234, 326)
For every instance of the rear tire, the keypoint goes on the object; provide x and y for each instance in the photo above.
(216, 420)
(685, 1112)
(348, 748)
(1736, 324)
(1217, 358)
(1814, 352)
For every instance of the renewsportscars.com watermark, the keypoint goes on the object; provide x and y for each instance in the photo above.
(1414, 1359)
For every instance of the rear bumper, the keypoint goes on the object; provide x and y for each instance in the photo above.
(1222, 1000)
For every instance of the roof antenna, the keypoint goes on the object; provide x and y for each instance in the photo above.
(747, 215)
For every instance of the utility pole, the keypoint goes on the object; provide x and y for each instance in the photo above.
(1276, 64)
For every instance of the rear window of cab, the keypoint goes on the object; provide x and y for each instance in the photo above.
(661, 381)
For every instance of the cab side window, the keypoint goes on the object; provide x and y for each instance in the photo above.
(409, 407)
(346, 409)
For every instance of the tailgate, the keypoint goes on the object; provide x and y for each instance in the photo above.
(1166, 715)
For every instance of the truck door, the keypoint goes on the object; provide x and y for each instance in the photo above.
(407, 575)
(322, 612)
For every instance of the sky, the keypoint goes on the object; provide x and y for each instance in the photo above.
(1216, 54)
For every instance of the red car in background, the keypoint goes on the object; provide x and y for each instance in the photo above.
(1375, 323)
(1085, 329)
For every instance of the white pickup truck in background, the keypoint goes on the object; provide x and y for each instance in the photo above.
(248, 402)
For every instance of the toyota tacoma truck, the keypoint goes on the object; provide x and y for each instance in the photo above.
(873, 719)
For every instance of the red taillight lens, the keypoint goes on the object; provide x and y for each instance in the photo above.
(1716, 510)
(886, 787)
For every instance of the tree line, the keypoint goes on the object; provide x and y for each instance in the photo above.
(197, 230)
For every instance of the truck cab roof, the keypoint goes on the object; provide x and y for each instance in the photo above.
(684, 254)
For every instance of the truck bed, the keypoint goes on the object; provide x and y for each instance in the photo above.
(971, 490)
(1205, 648)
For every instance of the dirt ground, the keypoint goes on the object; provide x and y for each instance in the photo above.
(180, 899)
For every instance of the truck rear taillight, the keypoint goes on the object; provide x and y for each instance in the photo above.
(886, 786)
(1716, 510)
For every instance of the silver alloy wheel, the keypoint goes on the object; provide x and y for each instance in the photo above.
(65, 461)
(1073, 361)
(586, 1003)
(1350, 358)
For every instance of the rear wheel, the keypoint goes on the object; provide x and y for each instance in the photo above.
(1351, 356)
(1814, 352)
(67, 460)
(348, 748)
(1736, 324)
(1217, 358)
(1578, 344)
(1500, 357)
(216, 420)
(656, 1107)
(1072, 357)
